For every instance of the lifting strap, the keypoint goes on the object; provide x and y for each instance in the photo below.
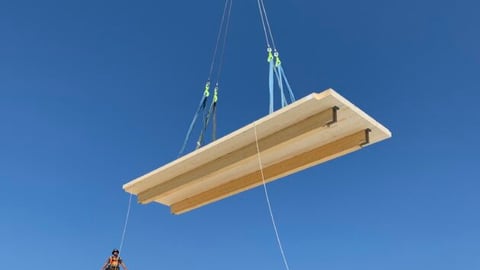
(215, 67)
(200, 109)
(281, 79)
(210, 114)
(275, 64)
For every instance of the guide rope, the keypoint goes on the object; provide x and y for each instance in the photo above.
(125, 224)
(277, 235)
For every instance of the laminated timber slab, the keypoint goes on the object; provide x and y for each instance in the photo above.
(233, 159)
(312, 130)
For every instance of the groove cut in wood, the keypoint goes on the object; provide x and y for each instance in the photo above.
(310, 131)
(318, 155)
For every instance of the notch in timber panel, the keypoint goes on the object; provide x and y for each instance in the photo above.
(367, 137)
(310, 158)
(335, 112)
(317, 121)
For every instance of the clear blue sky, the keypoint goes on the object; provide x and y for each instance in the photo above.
(95, 93)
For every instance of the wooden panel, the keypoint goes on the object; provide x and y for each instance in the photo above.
(241, 137)
(318, 155)
(314, 122)
(285, 137)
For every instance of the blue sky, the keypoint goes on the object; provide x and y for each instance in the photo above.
(95, 93)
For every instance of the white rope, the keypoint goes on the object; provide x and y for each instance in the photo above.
(268, 200)
(263, 14)
(227, 23)
(219, 34)
(263, 23)
(125, 224)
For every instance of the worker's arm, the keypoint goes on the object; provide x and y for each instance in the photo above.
(124, 266)
(105, 265)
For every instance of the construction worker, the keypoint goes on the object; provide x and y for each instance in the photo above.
(114, 262)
